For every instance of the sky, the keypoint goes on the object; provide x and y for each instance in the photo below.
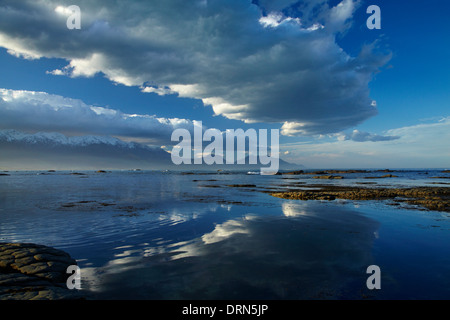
(341, 94)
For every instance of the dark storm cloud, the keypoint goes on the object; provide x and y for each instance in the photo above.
(248, 62)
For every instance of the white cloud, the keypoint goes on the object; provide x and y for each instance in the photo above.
(417, 146)
(217, 51)
(342, 12)
(40, 111)
(63, 10)
(275, 19)
(361, 136)
(161, 91)
(294, 128)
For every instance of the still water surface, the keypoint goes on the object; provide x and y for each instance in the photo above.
(153, 235)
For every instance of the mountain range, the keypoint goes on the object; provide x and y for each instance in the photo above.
(45, 151)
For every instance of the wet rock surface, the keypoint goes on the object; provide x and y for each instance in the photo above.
(34, 272)
(432, 198)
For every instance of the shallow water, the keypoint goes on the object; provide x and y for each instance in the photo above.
(152, 235)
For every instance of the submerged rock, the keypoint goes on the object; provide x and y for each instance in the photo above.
(328, 177)
(34, 272)
(382, 177)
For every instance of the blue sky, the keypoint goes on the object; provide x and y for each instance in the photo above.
(309, 68)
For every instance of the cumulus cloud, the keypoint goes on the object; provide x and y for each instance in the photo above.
(253, 62)
(39, 111)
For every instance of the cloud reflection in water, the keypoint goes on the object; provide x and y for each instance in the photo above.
(310, 252)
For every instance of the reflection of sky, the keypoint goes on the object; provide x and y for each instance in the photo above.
(225, 230)
(294, 209)
(162, 240)
(272, 256)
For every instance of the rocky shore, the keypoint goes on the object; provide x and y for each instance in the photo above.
(34, 272)
(431, 198)
(298, 172)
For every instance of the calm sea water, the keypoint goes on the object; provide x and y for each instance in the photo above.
(161, 235)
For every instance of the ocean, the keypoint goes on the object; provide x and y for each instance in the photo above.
(221, 235)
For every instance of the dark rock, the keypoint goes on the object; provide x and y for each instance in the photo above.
(34, 272)
(347, 171)
(293, 172)
(328, 177)
(317, 172)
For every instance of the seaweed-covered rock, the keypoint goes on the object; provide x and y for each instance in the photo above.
(34, 272)
(431, 198)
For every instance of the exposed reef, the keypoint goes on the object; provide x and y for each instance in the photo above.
(432, 198)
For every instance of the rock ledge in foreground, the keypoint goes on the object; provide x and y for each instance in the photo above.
(34, 272)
